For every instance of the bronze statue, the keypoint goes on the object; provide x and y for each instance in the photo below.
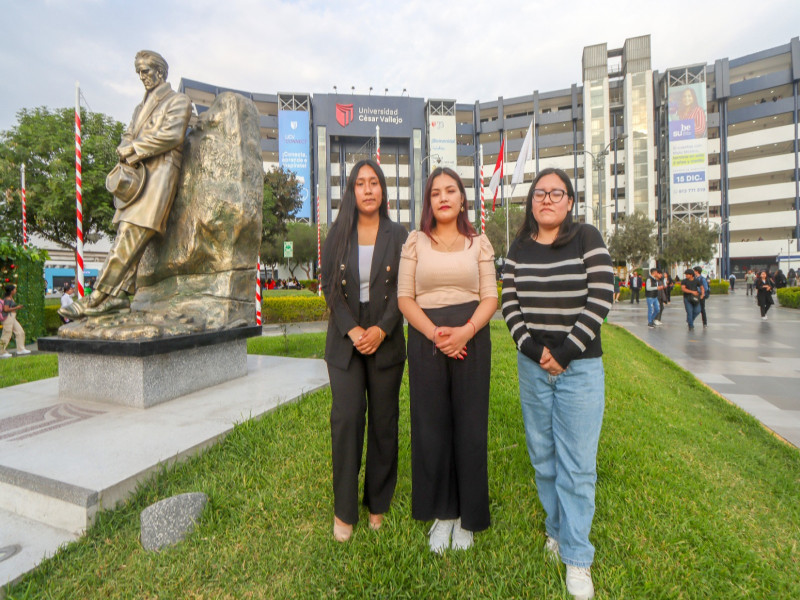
(144, 185)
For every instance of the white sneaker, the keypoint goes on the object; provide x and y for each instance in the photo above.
(579, 582)
(551, 548)
(462, 538)
(764, 318)
(658, 323)
(21, 352)
(439, 535)
(5, 355)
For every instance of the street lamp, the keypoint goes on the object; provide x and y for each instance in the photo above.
(598, 164)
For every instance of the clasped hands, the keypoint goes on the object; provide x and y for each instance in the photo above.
(452, 341)
(550, 364)
(366, 341)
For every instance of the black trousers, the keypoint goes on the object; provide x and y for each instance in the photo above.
(703, 311)
(364, 394)
(449, 425)
(635, 295)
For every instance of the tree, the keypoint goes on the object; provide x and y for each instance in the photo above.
(496, 228)
(304, 238)
(635, 241)
(689, 242)
(44, 141)
(281, 203)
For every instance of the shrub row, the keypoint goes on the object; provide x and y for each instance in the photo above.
(293, 309)
(789, 297)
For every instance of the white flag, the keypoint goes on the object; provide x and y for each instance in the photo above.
(525, 154)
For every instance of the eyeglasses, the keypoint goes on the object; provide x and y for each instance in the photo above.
(556, 196)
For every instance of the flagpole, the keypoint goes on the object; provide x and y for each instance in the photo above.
(503, 189)
(24, 207)
(78, 193)
(319, 251)
(483, 205)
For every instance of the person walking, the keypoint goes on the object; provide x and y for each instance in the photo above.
(448, 293)
(364, 347)
(635, 283)
(651, 296)
(557, 289)
(702, 282)
(780, 279)
(732, 281)
(692, 292)
(11, 326)
(750, 281)
(764, 286)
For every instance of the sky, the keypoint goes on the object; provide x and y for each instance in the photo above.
(465, 50)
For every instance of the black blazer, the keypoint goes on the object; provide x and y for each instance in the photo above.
(383, 310)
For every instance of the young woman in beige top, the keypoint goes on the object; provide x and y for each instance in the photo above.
(448, 293)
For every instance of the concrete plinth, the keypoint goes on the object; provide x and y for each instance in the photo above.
(143, 373)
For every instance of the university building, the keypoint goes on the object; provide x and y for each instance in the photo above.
(712, 141)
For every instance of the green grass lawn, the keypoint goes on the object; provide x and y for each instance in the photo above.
(694, 500)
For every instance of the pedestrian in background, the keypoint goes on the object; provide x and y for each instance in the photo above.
(750, 280)
(66, 298)
(732, 281)
(703, 282)
(651, 296)
(765, 286)
(10, 324)
(692, 293)
(635, 283)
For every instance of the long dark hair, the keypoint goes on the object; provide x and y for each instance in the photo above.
(9, 288)
(347, 218)
(530, 227)
(427, 221)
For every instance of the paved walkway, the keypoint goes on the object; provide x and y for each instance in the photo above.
(753, 363)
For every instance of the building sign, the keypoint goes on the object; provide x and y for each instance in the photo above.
(288, 249)
(688, 144)
(294, 152)
(358, 115)
(442, 141)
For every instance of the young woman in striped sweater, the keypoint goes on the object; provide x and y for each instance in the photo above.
(558, 286)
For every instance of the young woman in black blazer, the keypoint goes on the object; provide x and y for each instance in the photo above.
(365, 347)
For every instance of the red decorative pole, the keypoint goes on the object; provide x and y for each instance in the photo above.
(78, 193)
(24, 208)
(483, 207)
(258, 291)
(319, 250)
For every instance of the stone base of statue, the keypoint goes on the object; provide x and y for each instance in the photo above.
(143, 373)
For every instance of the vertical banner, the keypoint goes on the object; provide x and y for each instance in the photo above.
(688, 144)
(442, 141)
(294, 152)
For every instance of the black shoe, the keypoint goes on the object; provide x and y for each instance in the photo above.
(651, 325)
(691, 327)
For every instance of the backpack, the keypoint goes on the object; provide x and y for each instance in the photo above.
(2, 312)
(706, 286)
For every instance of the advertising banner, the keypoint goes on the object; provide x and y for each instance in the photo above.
(442, 141)
(294, 152)
(688, 144)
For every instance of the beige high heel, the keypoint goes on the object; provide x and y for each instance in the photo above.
(375, 521)
(341, 530)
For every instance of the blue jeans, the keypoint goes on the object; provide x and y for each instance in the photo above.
(563, 415)
(692, 310)
(652, 309)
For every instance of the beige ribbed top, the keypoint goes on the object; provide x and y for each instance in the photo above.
(436, 279)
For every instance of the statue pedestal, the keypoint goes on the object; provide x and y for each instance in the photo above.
(143, 373)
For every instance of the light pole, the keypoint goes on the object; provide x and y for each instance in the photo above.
(598, 164)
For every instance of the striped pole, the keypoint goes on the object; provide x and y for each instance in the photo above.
(378, 144)
(319, 250)
(24, 208)
(258, 291)
(483, 206)
(78, 193)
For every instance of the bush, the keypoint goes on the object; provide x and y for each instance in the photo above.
(295, 309)
(789, 297)
(719, 286)
(310, 284)
(51, 319)
(24, 267)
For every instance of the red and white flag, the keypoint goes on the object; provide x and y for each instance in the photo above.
(497, 176)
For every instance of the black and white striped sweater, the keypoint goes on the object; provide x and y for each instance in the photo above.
(558, 297)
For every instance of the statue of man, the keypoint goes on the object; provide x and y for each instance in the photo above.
(153, 142)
